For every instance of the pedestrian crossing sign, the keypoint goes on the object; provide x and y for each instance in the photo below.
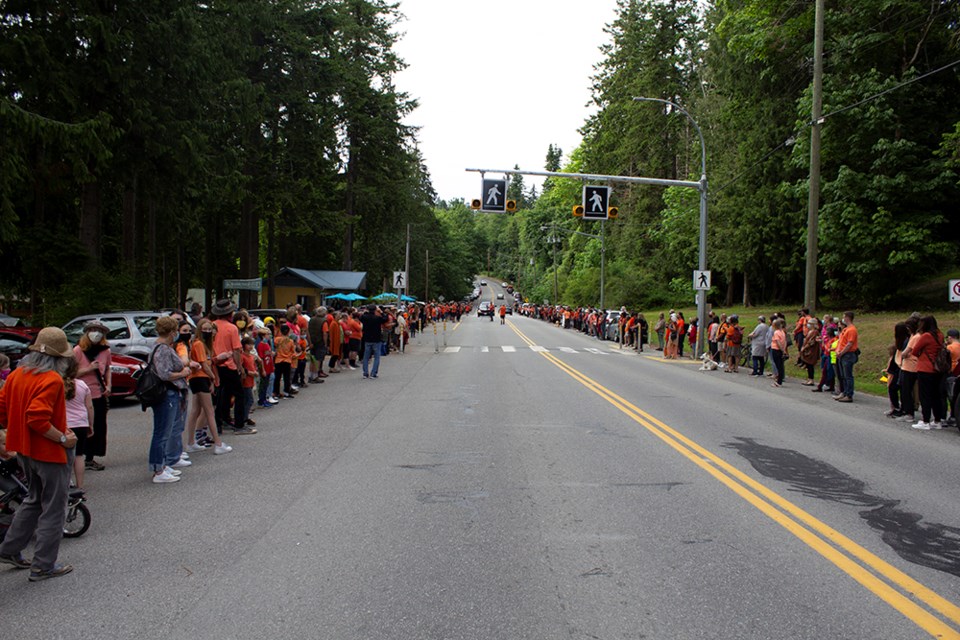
(596, 201)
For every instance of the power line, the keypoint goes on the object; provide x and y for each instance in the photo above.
(790, 140)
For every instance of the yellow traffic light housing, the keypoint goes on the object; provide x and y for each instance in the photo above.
(475, 204)
(578, 210)
(613, 213)
(511, 205)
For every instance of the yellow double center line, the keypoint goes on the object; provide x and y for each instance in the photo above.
(869, 570)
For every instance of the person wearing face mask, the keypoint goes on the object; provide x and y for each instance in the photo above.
(93, 357)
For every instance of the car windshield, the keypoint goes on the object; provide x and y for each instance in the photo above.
(74, 330)
(146, 325)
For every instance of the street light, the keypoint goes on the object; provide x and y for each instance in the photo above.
(702, 296)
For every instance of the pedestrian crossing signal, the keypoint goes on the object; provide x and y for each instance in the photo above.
(613, 212)
(475, 204)
(578, 210)
(511, 205)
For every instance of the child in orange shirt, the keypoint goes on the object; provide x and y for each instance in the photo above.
(283, 363)
(249, 364)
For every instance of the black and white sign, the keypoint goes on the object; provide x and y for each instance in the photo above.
(400, 280)
(701, 280)
(955, 291)
(595, 202)
(494, 196)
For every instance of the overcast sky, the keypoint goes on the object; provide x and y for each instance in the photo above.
(498, 81)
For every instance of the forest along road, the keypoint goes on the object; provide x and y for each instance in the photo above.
(522, 482)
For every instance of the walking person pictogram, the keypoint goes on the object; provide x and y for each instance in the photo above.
(703, 280)
(493, 194)
(596, 201)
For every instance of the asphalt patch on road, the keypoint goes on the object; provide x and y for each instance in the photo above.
(929, 544)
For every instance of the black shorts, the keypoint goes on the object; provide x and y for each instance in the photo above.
(82, 434)
(200, 385)
(353, 345)
(318, 351)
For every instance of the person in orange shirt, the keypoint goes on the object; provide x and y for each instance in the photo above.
(249, 364)
(226, 358)
(503, 314)
(353, 344)
(283, 363)
(848, 352)
(34, 409)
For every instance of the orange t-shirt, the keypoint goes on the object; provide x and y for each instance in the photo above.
(30, 403)
(198, 353)
(250, 366)
(849, 336)
(285, 350)
(227, 340)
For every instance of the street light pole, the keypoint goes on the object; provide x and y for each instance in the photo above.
(603, 257)
(702, 296)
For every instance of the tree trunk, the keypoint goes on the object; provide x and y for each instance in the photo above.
(129, 227)
(271, 262)
(746, 290)
(350, 203)
(90, 203)
(152, 250)
(730, 291)
(208, 257)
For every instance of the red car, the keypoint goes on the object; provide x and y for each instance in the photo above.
(15, 340)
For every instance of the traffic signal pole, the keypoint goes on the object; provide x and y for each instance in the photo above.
(700, 185)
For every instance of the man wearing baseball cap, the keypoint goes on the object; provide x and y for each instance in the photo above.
(33, 408)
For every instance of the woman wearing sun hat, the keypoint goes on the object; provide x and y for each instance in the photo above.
(33, 408)
(93, 358)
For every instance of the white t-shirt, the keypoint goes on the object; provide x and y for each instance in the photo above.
(77, 407)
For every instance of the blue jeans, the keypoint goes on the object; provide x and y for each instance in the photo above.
(175, 441)
(164, 417)
(374, 348)
(847, 361)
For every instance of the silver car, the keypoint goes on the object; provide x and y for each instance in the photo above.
(131, 333)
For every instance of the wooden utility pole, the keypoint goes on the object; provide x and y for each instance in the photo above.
(813, 205)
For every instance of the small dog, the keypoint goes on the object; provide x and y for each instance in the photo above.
(708, 363)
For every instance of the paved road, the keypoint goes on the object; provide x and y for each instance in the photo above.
(524, 482)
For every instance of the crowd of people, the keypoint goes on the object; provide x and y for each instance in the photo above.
(215, 370)
(921, 372)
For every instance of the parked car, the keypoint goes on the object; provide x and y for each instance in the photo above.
(122, 381)
(131, 333)
(11, 321)
(14, 343)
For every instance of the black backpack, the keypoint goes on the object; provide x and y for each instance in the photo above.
(150, 389)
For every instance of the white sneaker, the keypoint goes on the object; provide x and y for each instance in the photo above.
(925, 426)
(936, 425)
(184, 455)
(172, 471)
(164, 477)
(181, 463)
(221, 448)
(273, 400)
(195, 448)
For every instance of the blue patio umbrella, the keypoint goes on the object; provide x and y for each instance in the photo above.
(385, 296)
(353, 297)
(408, 298)
(337, 296)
